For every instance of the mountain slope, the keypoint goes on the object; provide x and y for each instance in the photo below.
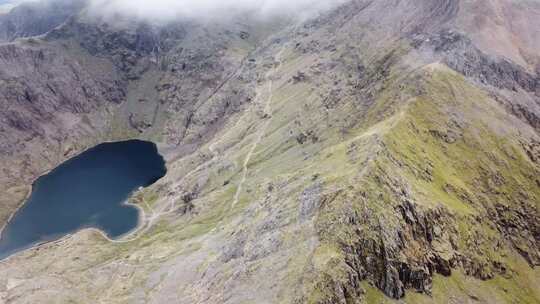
(33, 18)
(377, 152)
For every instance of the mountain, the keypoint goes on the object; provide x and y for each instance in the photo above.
(380, 152)
(35, 17)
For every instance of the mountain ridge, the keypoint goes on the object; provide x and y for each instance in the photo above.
(376, 149)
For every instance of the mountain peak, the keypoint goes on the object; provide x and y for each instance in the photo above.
(374, 152)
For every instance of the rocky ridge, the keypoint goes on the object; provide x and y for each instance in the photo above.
(371, 154)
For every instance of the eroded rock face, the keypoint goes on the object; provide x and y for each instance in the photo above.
(460, 54)
(46, 96)
(374, 148)
(519, 225)
(406, 257)
(133, 49)
(403, 245)
(37, 18)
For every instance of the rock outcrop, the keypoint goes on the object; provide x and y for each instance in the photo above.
(378, 152)
(37, 18)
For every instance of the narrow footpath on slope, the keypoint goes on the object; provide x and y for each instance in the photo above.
(260, 134)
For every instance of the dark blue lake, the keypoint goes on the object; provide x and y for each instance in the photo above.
(89, 190)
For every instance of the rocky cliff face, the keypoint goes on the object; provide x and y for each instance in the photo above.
(50, 102)
(379, 152)
(36, 18)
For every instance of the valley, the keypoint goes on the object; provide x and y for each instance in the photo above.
(378, 152)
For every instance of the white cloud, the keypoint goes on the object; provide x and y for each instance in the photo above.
(7, 5)
(167, 10)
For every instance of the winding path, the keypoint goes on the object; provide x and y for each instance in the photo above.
(268, 113)
(148, 221)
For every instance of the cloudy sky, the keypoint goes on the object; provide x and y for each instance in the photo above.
(172, 9)
(6, 5)
(167, 10)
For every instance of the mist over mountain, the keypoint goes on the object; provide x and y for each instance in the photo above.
(7, 5)
(36, 17)
(355, 151)
(168, 10)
